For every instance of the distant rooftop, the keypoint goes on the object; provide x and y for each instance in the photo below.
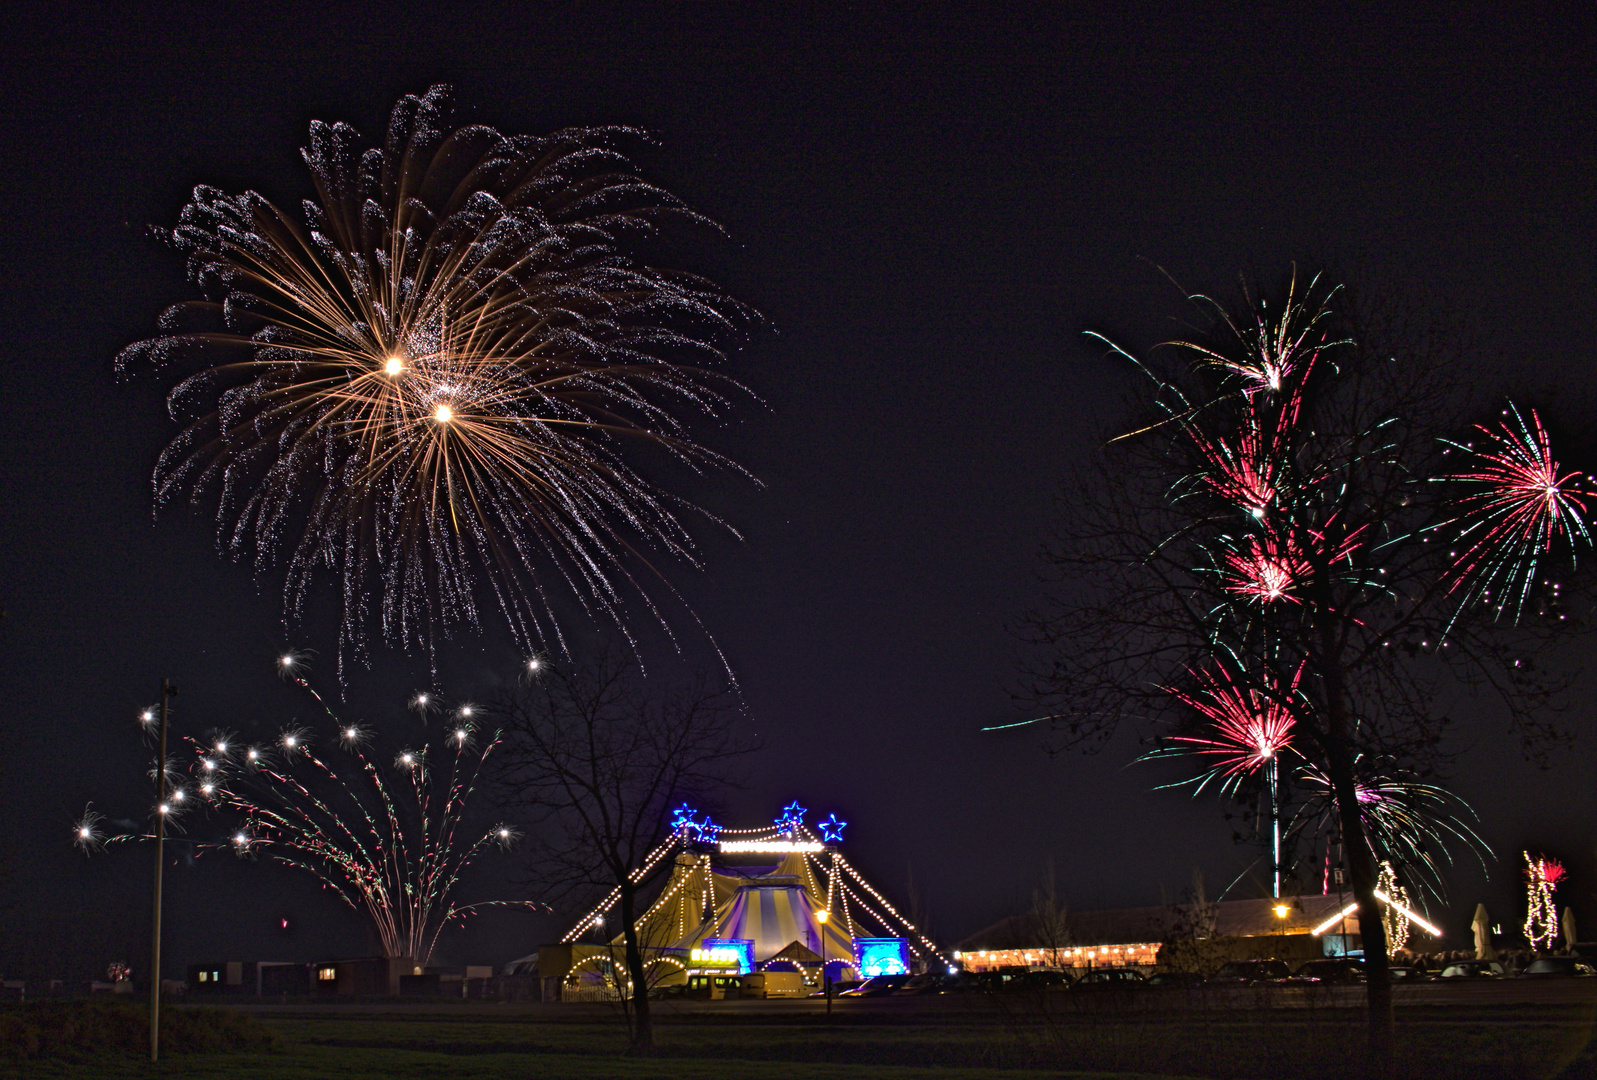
(1120, 926)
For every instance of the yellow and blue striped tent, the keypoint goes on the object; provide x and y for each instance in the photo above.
(773, 911)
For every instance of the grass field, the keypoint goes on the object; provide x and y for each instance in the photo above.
(952, 1041)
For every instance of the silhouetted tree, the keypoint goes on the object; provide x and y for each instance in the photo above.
(1281, 553)
(596, 757)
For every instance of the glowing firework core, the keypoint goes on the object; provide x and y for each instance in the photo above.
(445, 365)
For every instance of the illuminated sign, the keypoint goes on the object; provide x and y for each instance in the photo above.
(881, 956)
(734, 953)
(770, 847)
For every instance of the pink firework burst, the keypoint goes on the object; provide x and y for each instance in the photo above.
(1266, 570)
(1243, 470)
(1519, 506)
(1250, 726)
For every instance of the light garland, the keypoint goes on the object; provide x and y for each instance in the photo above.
(1383, 898)
(1334, 919)
(787, 835)
(1541, 915)
(1393, 918)
(883, 901)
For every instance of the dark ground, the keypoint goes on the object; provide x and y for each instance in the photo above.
(1474, 1035)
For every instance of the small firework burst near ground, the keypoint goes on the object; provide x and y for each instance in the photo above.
(391, 838)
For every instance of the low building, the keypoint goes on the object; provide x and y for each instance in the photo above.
(1182, 935)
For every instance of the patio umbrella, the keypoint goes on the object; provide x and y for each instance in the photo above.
(1483, 935)
(1569, 929)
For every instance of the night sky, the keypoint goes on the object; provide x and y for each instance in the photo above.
(929, 208)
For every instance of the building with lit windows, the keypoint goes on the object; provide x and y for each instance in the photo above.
(1299, 927)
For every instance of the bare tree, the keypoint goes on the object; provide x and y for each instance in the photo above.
(596, 757)
(1281, 553)
(1050, 918)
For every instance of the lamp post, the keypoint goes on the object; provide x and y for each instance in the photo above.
(826, 978)
(167, 690)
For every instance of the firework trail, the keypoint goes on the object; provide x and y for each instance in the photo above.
(430, 384)
(1517, 507)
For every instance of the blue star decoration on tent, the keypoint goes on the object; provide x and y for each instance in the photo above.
(682, 818)
(792, 817)
(708, 830)
(831, 830)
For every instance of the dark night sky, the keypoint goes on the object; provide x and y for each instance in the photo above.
(929, 208)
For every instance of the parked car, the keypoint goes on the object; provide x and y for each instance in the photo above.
(1174, 980)
(1559, 967)
(839, 986)
(1110, 979)
(880, 986)
(1251, 973)
(960, 982)
(1405, 973)
(1320, 972)
(927, 983)
(1472, 969)
(1040, 979)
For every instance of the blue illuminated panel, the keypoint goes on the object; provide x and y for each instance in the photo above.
(725, 952)
(881, 956)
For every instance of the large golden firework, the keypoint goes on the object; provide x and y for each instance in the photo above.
(425, 389)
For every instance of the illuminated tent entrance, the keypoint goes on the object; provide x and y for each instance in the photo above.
(727, 910)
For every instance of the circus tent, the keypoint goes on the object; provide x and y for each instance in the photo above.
(812, 902)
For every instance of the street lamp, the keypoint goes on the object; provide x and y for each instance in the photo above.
(167, 691)
(826, 978)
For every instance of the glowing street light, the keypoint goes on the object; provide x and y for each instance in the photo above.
(826, 978)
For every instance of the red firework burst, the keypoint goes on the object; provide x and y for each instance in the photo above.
(1242, 471)
(1266, 570)
(1250, 727)
(1519, 506)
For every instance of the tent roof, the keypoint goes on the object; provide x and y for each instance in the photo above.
(1122, 926)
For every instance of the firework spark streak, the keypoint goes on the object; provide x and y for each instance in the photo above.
(1273, 354)
(1518, 507)
(428, 385)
